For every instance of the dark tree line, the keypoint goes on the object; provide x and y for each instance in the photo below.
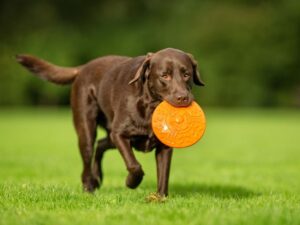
(248, 50)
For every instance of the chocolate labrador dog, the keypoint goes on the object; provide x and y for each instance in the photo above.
(119, 94)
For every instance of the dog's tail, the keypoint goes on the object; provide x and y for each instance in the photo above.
(48, 71)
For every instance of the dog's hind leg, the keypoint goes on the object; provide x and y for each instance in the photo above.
(103, 145)
(85, 112)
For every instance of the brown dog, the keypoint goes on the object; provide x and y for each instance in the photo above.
(119, 94)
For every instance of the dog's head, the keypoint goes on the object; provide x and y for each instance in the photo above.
(169, 74)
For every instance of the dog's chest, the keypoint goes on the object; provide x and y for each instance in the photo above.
(140, 129)
(144, 143)
(140, 115)
(141, 136)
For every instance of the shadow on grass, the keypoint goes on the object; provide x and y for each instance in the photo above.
(217, 191)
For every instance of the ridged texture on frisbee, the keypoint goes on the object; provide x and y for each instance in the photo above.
(178, 127)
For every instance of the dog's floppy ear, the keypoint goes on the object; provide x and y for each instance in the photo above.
(196, 75)
(141, 72)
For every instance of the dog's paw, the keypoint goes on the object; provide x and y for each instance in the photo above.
(134, 178)
(156, 198)
(91, 185)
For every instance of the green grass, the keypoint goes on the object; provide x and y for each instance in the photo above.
(246, 170)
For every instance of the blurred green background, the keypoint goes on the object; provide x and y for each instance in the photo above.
(248, 50)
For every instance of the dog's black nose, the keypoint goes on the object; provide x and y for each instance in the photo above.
(181, 98)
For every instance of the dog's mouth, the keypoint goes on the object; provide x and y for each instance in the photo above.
(180, 104)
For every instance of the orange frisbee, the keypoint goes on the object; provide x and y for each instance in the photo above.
(178, 127)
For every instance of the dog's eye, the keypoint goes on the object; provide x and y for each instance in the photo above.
(166, 76)
(186, 75)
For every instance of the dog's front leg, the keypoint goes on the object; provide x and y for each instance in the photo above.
(134, 168)
(163, 162)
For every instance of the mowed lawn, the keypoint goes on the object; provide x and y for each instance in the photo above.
(246, 170)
